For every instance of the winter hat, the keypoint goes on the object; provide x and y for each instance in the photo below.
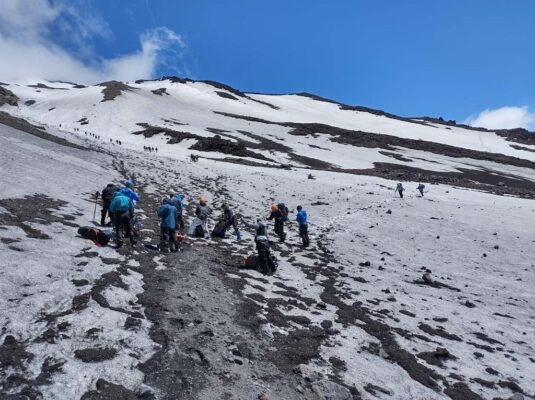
(171, 193)
(129, 184)
(299, 208)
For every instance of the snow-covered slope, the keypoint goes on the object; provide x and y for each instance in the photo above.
(348, 318)
(182, 117)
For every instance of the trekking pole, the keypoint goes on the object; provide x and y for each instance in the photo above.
(95, 210)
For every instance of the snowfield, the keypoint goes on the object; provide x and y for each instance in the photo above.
(416, 298)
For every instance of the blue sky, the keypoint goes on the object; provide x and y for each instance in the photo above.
(415, 57)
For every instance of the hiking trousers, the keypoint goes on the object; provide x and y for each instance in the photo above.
(303, 232)
(266, 263)
(122, 223)
(169, 239)
(279, 229)
(105, 211)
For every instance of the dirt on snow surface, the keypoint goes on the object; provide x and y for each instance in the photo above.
(426, 297)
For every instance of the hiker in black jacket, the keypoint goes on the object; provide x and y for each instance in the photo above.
(107, 196)
(280, 214)
(266, 262)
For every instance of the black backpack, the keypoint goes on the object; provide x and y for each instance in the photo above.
(94, 234)
(284, 210)
(199, 231)
(219, 229)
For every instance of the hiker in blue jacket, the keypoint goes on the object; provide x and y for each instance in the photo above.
(167, 214)
(127, 191)
(302, 220)
(421, 188)
(122, 208)
(177, 202)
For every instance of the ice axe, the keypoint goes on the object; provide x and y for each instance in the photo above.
(97, 194)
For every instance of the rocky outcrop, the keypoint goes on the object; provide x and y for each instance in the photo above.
(8, 97)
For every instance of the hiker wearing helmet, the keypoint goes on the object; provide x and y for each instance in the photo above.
(167, 215)
(122, 208)
(400, 189)
(302, 220)
(266, 262)
(203, 212)
(279, 212)
(129, 192)
(107, 196)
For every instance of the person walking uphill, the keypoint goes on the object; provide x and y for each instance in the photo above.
(280, 214)
(421, 188)
(400, 189)
(122, 208)
(107, 196)
(167, 214)
(128, 192)
(302, 220)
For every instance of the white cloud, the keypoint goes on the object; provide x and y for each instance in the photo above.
(35, 36)
(504, 118)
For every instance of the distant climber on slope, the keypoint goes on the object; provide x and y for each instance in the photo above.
(129, 192)
(400, 189)
(302, 220)
(107, 196)
(167, 215)
(266, 262)
(421, 188)
(122, 208)
(279, 212)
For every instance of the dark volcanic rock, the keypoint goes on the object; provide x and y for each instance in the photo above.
(8, 97)
(22, 125)
(13, 353)
(107, 390)
(209, 144)
(160, 91)
(438, 332)
(113, 89)
(461, 391)
(95, 354)
(226, 95)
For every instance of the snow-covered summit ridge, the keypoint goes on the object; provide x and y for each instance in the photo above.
(181, 117)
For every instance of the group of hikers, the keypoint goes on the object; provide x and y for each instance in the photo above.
(400, 189)
(118, 203)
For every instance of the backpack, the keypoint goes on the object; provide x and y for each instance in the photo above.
(199, 231)
(284, 211)
(109, 192)
(122, 203)
(219, 229)
(251, 261)
(94, 234)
